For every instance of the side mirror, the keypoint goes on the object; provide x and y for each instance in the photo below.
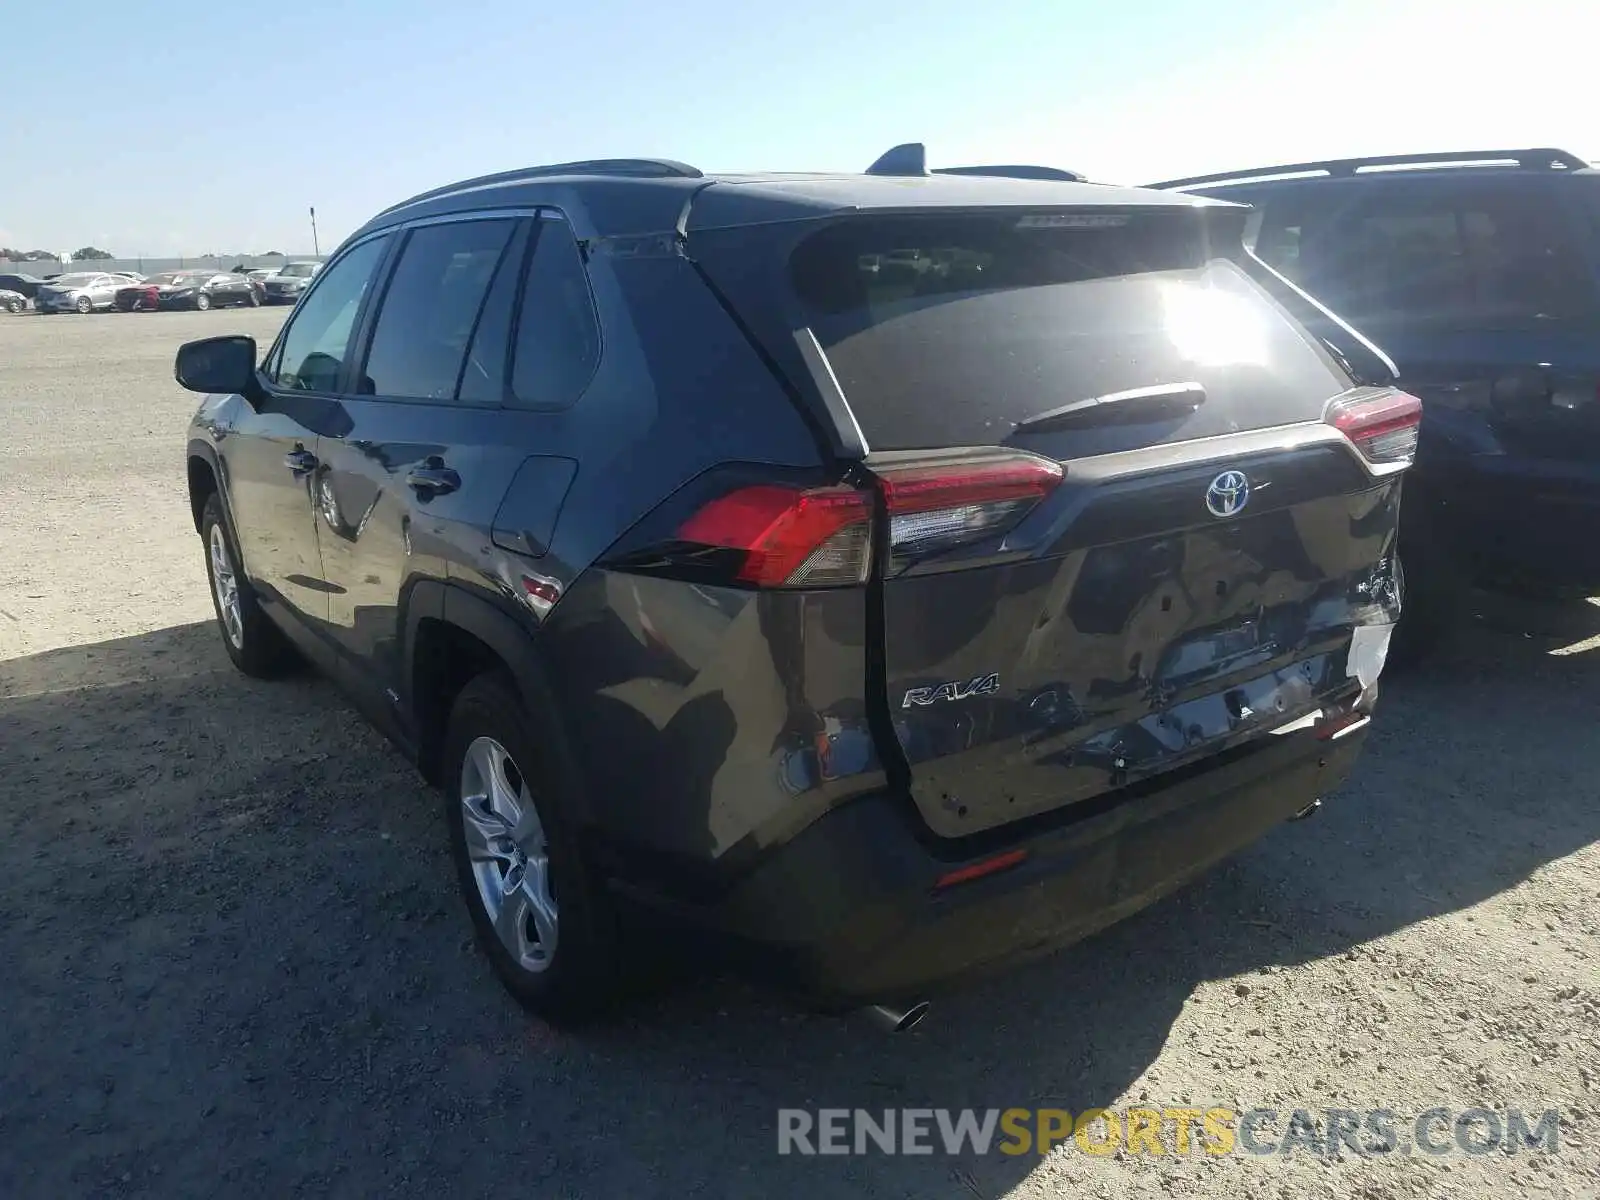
(217, 365)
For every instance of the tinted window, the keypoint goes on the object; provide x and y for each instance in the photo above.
(1278, 229)
(947, 331)
(1587, 190)
(430, 307)
(314, 345)
(483, 378)
(558, 337)
(1502, 257)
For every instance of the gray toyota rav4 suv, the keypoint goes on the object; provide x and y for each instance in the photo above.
(880, 577)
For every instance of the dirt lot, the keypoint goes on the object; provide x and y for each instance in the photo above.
(231, 956)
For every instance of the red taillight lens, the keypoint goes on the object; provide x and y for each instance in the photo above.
(800, 538)
(779, 536)
(1382, 424)
(938, 502)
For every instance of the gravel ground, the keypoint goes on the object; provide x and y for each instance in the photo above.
(234, 959)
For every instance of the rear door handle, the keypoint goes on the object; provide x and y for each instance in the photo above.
(300, 460)
(432, 481)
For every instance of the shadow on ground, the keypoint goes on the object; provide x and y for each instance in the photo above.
(235, 957)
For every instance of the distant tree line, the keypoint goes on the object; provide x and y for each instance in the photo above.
(94, 254)
(81, 254)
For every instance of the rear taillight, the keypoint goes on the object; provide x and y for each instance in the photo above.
(1382, 424)
(788, 537)
(775, 535)
(939, 502)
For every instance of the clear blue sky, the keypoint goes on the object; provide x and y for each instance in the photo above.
(191, 126)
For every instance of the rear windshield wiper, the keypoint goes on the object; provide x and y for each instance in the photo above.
(1133, 404)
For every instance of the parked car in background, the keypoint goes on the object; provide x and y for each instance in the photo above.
(12, 302)
(188, 289)
(285, 284)
(1478, 272)
(79, 291)
(27, 285)
(937, 632)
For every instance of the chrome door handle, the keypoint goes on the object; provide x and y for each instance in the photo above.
(432, 481)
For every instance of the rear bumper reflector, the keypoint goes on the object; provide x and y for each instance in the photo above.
(978, 870)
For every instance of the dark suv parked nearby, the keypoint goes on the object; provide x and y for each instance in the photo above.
(1479, 273)
(26, 286)
(878, 626)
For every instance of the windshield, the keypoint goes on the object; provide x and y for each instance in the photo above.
(948, 331)
(77, 279)
(298, 271)
(169, 278)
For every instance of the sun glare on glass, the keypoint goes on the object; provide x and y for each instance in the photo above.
(1213, 328)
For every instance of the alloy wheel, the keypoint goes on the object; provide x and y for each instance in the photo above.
(509, 854)
(226, 585)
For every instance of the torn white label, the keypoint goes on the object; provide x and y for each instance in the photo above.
(1369, 648)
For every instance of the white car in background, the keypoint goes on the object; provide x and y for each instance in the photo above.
(79, 291)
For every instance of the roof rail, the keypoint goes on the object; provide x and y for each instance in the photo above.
(1541, 159)
(1017, 171)
(628, 168)
(911, 158)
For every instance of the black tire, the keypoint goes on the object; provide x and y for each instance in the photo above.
(260, 650)
(85, 306)
(584, 975)
(202, 302)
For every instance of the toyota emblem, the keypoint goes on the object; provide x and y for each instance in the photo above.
(1228, 494)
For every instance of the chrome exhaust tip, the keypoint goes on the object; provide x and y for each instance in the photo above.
(896, 1020)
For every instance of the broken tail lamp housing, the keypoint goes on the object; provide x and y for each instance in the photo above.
(1381, 423)
(783, 536)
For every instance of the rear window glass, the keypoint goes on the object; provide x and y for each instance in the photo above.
(948, 331)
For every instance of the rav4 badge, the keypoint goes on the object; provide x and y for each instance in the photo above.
(983, 685)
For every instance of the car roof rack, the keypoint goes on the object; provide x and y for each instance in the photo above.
(1017, 171)
(911, 159)
(621, 168)
(1540, 159)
